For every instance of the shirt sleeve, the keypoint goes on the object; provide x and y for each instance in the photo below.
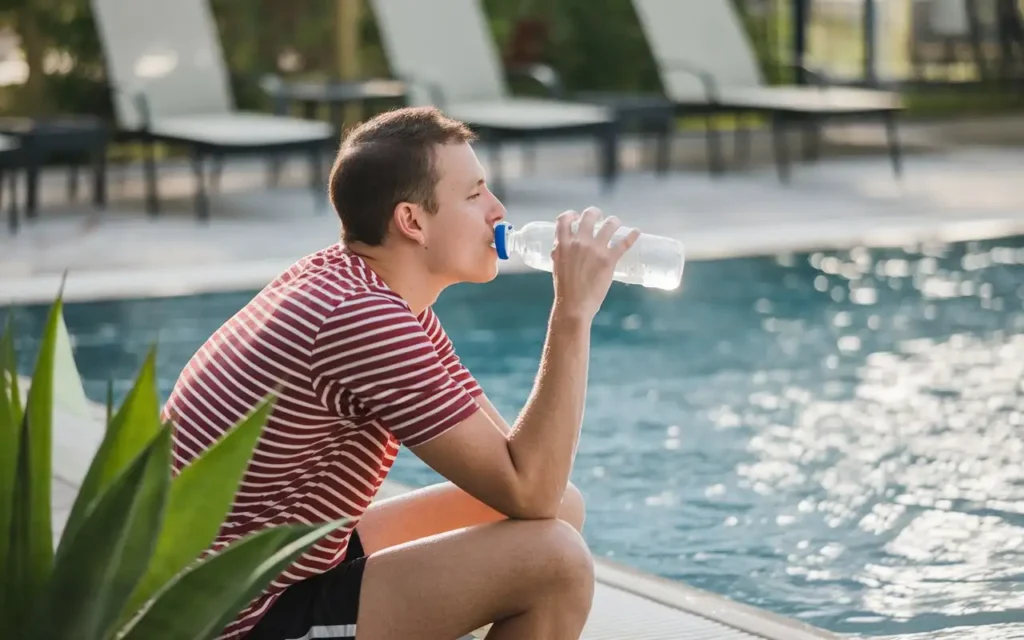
(446, 352)
(372, 353)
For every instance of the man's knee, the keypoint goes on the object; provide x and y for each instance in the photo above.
(573, 510)
(568, 561)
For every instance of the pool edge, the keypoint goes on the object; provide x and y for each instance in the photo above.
(88, 285)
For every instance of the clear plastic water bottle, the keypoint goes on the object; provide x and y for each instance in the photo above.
(653, 261)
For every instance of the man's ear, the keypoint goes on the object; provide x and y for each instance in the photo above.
(408, 221)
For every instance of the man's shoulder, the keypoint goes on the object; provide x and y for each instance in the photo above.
(340, 297)
(332, 277)
(331, 264)
(368, 312)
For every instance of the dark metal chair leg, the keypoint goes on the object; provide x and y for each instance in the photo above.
(663, 146)
(12, 206)
(714, 146)
(781, 146)
(895, 150)
(497, 177)
(316, 180)
(12, 220)
(120, 175)
(149, 167)
(741, 142)
(202, 200)
(99, 188)
(609, 140)
(73, 182)
(31, 187)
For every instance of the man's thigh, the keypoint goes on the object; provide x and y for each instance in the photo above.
(440, 508)
(420, 513)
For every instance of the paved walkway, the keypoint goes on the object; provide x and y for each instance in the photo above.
(256, 231)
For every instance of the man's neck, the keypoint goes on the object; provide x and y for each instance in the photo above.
(403, 274)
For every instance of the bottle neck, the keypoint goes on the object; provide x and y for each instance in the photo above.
(513, 243)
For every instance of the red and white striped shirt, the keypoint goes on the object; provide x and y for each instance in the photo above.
(359, 373)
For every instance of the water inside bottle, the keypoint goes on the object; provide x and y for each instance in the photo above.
(646, 275)
(632, 268)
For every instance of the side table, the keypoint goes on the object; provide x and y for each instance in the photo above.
(43, 138)
(649, 113)
(335, 94)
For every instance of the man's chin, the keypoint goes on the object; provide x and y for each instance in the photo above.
(483, 278)
(484, 275)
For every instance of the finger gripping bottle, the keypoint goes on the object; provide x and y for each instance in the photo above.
(653, 261)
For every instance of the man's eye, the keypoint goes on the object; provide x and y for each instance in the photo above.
(474, 196)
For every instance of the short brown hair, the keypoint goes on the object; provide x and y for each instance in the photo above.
(387, 160)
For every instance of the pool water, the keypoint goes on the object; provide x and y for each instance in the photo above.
(833, 436)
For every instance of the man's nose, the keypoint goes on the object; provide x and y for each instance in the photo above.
(497, 212)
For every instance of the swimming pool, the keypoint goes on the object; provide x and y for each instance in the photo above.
(833, 436)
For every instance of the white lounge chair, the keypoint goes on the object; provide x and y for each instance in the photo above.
(171, 84)
(707, 64)
(445, 51)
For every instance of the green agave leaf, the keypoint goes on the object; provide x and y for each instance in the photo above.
(30, 555)
(17, 575)
(98, 568)
(202, 601)
(199, 499)
(10, 362)
(10, 436)
(69, 392)
(131, 429)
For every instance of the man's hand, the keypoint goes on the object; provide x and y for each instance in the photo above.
(584, 263)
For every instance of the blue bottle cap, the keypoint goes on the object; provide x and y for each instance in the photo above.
(501, 231)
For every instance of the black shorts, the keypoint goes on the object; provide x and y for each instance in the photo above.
(322, 607)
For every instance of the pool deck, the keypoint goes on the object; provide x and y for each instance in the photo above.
(947, 193)
(627, 603)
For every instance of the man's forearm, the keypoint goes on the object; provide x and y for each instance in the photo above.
(543, 441)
